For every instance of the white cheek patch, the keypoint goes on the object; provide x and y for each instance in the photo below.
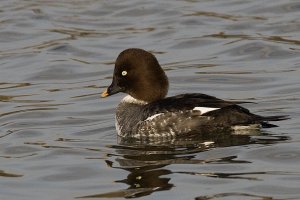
(205, 109)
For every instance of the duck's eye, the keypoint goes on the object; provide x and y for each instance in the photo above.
(124, 73)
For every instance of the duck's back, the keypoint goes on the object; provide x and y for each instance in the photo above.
(183, 115)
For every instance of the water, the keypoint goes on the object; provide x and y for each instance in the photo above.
(57, 137)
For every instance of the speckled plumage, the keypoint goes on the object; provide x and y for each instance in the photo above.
(178, 118)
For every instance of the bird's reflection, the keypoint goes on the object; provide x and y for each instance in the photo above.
(146, 161)
(151, 177)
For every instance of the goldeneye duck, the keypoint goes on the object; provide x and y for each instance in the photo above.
(146, 112)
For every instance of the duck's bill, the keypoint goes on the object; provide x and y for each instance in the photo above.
(111, 90)
(104, 93)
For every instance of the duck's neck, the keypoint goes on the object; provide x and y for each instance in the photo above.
(130, 99)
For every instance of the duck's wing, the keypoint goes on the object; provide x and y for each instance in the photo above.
(223, 113)
(188, 102)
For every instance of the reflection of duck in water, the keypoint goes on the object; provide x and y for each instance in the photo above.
(146, 113)
(146, 180)
(148, 170)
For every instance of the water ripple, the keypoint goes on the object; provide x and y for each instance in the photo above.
(58, 139)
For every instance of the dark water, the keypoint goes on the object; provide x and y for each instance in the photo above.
(57, 137)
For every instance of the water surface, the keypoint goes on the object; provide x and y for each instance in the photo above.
(57, 137)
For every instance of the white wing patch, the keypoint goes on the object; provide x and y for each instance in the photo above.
(153, 116)
(246, 127)
(205, 109)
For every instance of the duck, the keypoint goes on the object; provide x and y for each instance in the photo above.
(146, 112)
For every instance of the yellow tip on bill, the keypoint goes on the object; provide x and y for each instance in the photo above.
(104, 94)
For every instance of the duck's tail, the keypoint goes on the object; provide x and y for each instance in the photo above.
(274, 118)
(264, 121)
